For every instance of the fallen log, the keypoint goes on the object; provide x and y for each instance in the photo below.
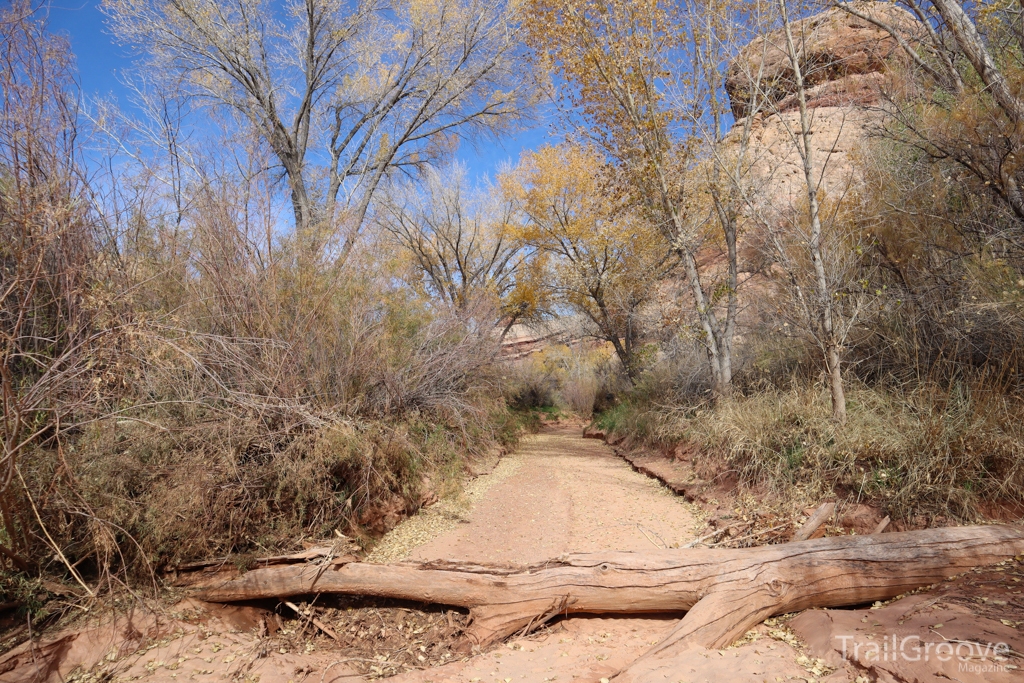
(723, 592)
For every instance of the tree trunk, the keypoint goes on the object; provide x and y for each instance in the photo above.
(973, 46)
(723, 592)
(835, 384)
(721, 385)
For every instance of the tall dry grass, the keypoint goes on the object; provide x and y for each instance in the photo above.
(931, 451)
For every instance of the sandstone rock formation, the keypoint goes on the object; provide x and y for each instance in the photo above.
(845, 61)
(842, 58)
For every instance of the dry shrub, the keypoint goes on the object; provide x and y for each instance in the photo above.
(580, 394)
(129, 494)
(210, 456)
(947, 270)
(530, 383)
(60, 334)
(929, 451)
(581, 377)
(210, 443)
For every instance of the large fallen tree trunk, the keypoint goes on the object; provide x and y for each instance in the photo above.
(723, 592)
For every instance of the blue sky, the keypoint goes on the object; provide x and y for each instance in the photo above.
(101, 61)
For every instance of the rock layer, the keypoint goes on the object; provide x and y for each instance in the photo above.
(846, 61)
(841, 56)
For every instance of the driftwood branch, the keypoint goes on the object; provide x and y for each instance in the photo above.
(815, 521)
(723, 592)
(316, 622)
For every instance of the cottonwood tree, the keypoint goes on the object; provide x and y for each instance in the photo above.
(638, 74)
(341, 93)
(607, 259)
(463, 247)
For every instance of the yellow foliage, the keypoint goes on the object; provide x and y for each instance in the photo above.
(613, 53)
(597, 242)
(605, 258)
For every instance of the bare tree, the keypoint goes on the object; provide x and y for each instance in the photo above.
(341, 94)
(722, 179)
(826, 325)
(463, 246)
(811, 237)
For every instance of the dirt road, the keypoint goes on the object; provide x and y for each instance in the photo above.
(567, 495)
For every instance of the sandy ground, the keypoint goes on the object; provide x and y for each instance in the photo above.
(569, 495)
(575, 495)
(558, 493)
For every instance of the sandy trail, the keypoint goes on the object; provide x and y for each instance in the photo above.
(575, 495)
(569, 495)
